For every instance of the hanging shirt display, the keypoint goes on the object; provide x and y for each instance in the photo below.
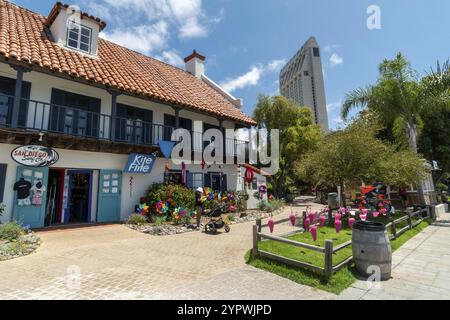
(38, 191)
(23, 188)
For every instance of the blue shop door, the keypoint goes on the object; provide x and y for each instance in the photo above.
(109, 196)
(30, 210)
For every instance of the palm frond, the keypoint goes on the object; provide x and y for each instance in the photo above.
(358, 98)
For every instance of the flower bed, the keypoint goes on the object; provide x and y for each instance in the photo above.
(16, 242)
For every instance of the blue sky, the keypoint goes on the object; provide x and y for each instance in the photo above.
(246, 42)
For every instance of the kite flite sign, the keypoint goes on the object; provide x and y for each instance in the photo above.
(140, 163)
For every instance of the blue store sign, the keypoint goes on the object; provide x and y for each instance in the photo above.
(140, 163)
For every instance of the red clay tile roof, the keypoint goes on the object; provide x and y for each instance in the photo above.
(25, 37)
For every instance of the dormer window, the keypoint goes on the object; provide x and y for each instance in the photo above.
(73, 29)
(79, 37)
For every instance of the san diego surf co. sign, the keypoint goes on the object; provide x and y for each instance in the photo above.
(35, 156)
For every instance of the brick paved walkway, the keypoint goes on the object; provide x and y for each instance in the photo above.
(115, 262)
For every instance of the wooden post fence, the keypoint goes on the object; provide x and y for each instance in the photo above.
(328, 269)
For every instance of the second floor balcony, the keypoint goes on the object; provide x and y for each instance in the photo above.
(69, 127)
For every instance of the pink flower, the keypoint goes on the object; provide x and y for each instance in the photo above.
(363, 217)
(376, 214)
(342, 210)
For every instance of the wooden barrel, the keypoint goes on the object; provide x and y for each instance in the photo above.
(372, 249)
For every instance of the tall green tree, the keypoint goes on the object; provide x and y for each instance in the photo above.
(399, 99)
(298, 135)
(355, 155)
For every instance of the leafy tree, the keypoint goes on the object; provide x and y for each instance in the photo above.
(434, 142)
(355, 155)
(298, 134)
(400, 100)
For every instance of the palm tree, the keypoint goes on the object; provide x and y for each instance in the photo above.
(399, 99)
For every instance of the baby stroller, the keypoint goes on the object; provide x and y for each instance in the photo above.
(215, 219)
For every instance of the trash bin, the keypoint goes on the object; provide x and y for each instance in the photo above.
(333, 200)
(371, 247)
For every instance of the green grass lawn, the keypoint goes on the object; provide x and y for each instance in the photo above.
(340, 280)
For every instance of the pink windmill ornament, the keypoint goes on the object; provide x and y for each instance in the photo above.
(351, 221)
(307, 224)
(271, 224)
(292, 218)
(314, 233)
(338, 225)
(322, 220)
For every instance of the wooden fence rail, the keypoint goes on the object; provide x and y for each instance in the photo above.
(329, 249)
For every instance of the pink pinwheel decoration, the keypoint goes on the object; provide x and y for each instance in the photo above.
(338, 216)
(338, 225)
(307, 223)
(376, 214)
(292, 218)
(314, 233)
(271, 224)
(351, 221)
(322, 221)
(311, 217)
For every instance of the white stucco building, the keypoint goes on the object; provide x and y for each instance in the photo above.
(96, 104)
(302, 81)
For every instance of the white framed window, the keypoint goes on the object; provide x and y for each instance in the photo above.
(79, 37)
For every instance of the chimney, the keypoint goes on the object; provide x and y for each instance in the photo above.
(195, 64)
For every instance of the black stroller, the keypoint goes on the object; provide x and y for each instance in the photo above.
(215, 221)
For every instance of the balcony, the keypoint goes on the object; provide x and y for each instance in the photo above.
(67, 127)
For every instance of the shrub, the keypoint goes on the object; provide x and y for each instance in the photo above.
(11, 231)
(160, 220)
(262, 205)
(172, 195)
(137, 219)
(275, 205)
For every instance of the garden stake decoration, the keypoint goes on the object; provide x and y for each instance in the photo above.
(292, 218)
(314, 233)
(322, 220)
(271, 224)
(311, 217)
(307, 224)
(337, 216)
(351, 221)
(338, 225)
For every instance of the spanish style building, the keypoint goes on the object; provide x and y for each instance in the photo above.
(301, 80)
(88, 105)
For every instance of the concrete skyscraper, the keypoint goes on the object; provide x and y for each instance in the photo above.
(301, 80)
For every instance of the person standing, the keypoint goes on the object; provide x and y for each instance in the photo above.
(199, 205)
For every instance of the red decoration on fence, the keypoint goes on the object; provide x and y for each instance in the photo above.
(307, 223)
(292, 218)
(351, 221)
(322, 221)
(338, 225)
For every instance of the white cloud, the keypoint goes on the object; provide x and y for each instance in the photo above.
(171, 57)
(276, 65)
(334, 106)
(330, 47)
(336, 59)
(251, 78)
(145, 39)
